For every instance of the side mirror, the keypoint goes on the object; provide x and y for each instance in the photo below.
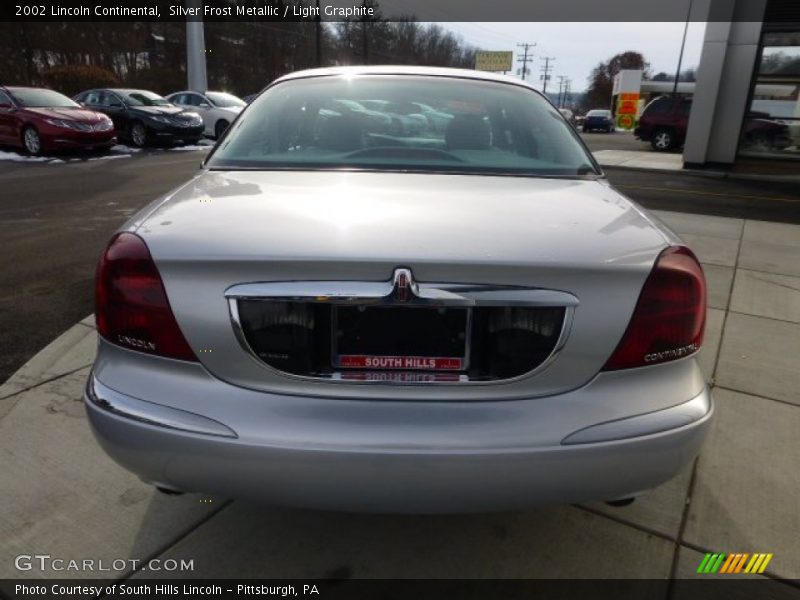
(204, 105)
(4, 106)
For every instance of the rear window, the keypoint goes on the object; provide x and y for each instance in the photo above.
(659, 106)
(599, 113)
(419, 123)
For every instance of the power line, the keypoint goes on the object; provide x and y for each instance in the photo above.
(546, 68)
(525, 59)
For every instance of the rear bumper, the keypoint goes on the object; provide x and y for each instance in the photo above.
(429, 474)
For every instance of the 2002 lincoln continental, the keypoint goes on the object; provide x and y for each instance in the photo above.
(400, 290)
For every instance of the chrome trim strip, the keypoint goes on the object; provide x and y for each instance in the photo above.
(151, 413)
(681, 415)
(381, 292)
(384, 293)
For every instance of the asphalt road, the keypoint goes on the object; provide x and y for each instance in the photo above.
(55, 220)
(618, 140)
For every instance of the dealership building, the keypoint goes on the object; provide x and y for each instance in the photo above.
(749, 70)
(746, 100)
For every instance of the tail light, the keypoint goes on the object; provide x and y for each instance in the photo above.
(131, 306)
(669, 319)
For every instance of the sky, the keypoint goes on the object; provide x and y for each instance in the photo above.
(578, 47)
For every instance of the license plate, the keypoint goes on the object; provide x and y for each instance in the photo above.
(408, 339)
(401, 363)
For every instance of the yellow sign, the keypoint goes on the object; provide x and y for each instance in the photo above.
(493, 61)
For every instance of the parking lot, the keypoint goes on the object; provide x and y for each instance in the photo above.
(64, 497)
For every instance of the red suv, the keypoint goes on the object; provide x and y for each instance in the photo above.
(664, 121)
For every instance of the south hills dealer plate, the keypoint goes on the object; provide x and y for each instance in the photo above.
(399, 338)
(401, 363)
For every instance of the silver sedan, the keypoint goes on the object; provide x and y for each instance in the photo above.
(337, 316)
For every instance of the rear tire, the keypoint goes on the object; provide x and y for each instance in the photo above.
(138, 134)
(31, 141)
(663, 140)
(761, 142)
(220, 128)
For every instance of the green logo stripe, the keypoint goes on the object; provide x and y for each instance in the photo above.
(718, 564)
(702, 567)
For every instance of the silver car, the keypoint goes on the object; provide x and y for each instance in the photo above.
(330, 315)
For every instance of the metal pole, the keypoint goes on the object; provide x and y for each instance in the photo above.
(319, 36)
(196, 50)
(683, 44)
(364, 39)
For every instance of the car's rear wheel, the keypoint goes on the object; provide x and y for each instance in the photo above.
(761, 142)
(220, 128)
(31, 141)
(138, 134)
(663, 140)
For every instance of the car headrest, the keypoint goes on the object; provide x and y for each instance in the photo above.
(342, 134)
(468, 132)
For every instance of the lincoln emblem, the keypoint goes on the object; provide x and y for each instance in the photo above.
(402, 285)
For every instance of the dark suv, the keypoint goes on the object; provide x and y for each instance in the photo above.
(664, 120)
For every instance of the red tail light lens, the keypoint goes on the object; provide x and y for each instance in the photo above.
(670, 316)
(131, 306)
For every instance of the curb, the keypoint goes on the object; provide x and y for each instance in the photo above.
(71, 351)
(709, 174)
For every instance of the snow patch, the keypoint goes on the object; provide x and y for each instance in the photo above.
(14, 157)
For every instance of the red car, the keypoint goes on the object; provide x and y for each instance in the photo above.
(39, 120)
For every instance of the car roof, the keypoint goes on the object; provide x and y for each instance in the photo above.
(125, 90)
(13, 88)
(201, 93)
(406, 70)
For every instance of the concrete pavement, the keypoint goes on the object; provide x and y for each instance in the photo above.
(64, 497)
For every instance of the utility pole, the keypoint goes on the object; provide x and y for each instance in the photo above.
(561, 80)
(546, 68)
(525, 58)
(567, 87)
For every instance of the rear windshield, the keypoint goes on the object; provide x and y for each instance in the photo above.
(599, 113)
(225, 100)
(35, 98)
(419, 123)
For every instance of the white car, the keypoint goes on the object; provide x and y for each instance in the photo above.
(218, 109)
